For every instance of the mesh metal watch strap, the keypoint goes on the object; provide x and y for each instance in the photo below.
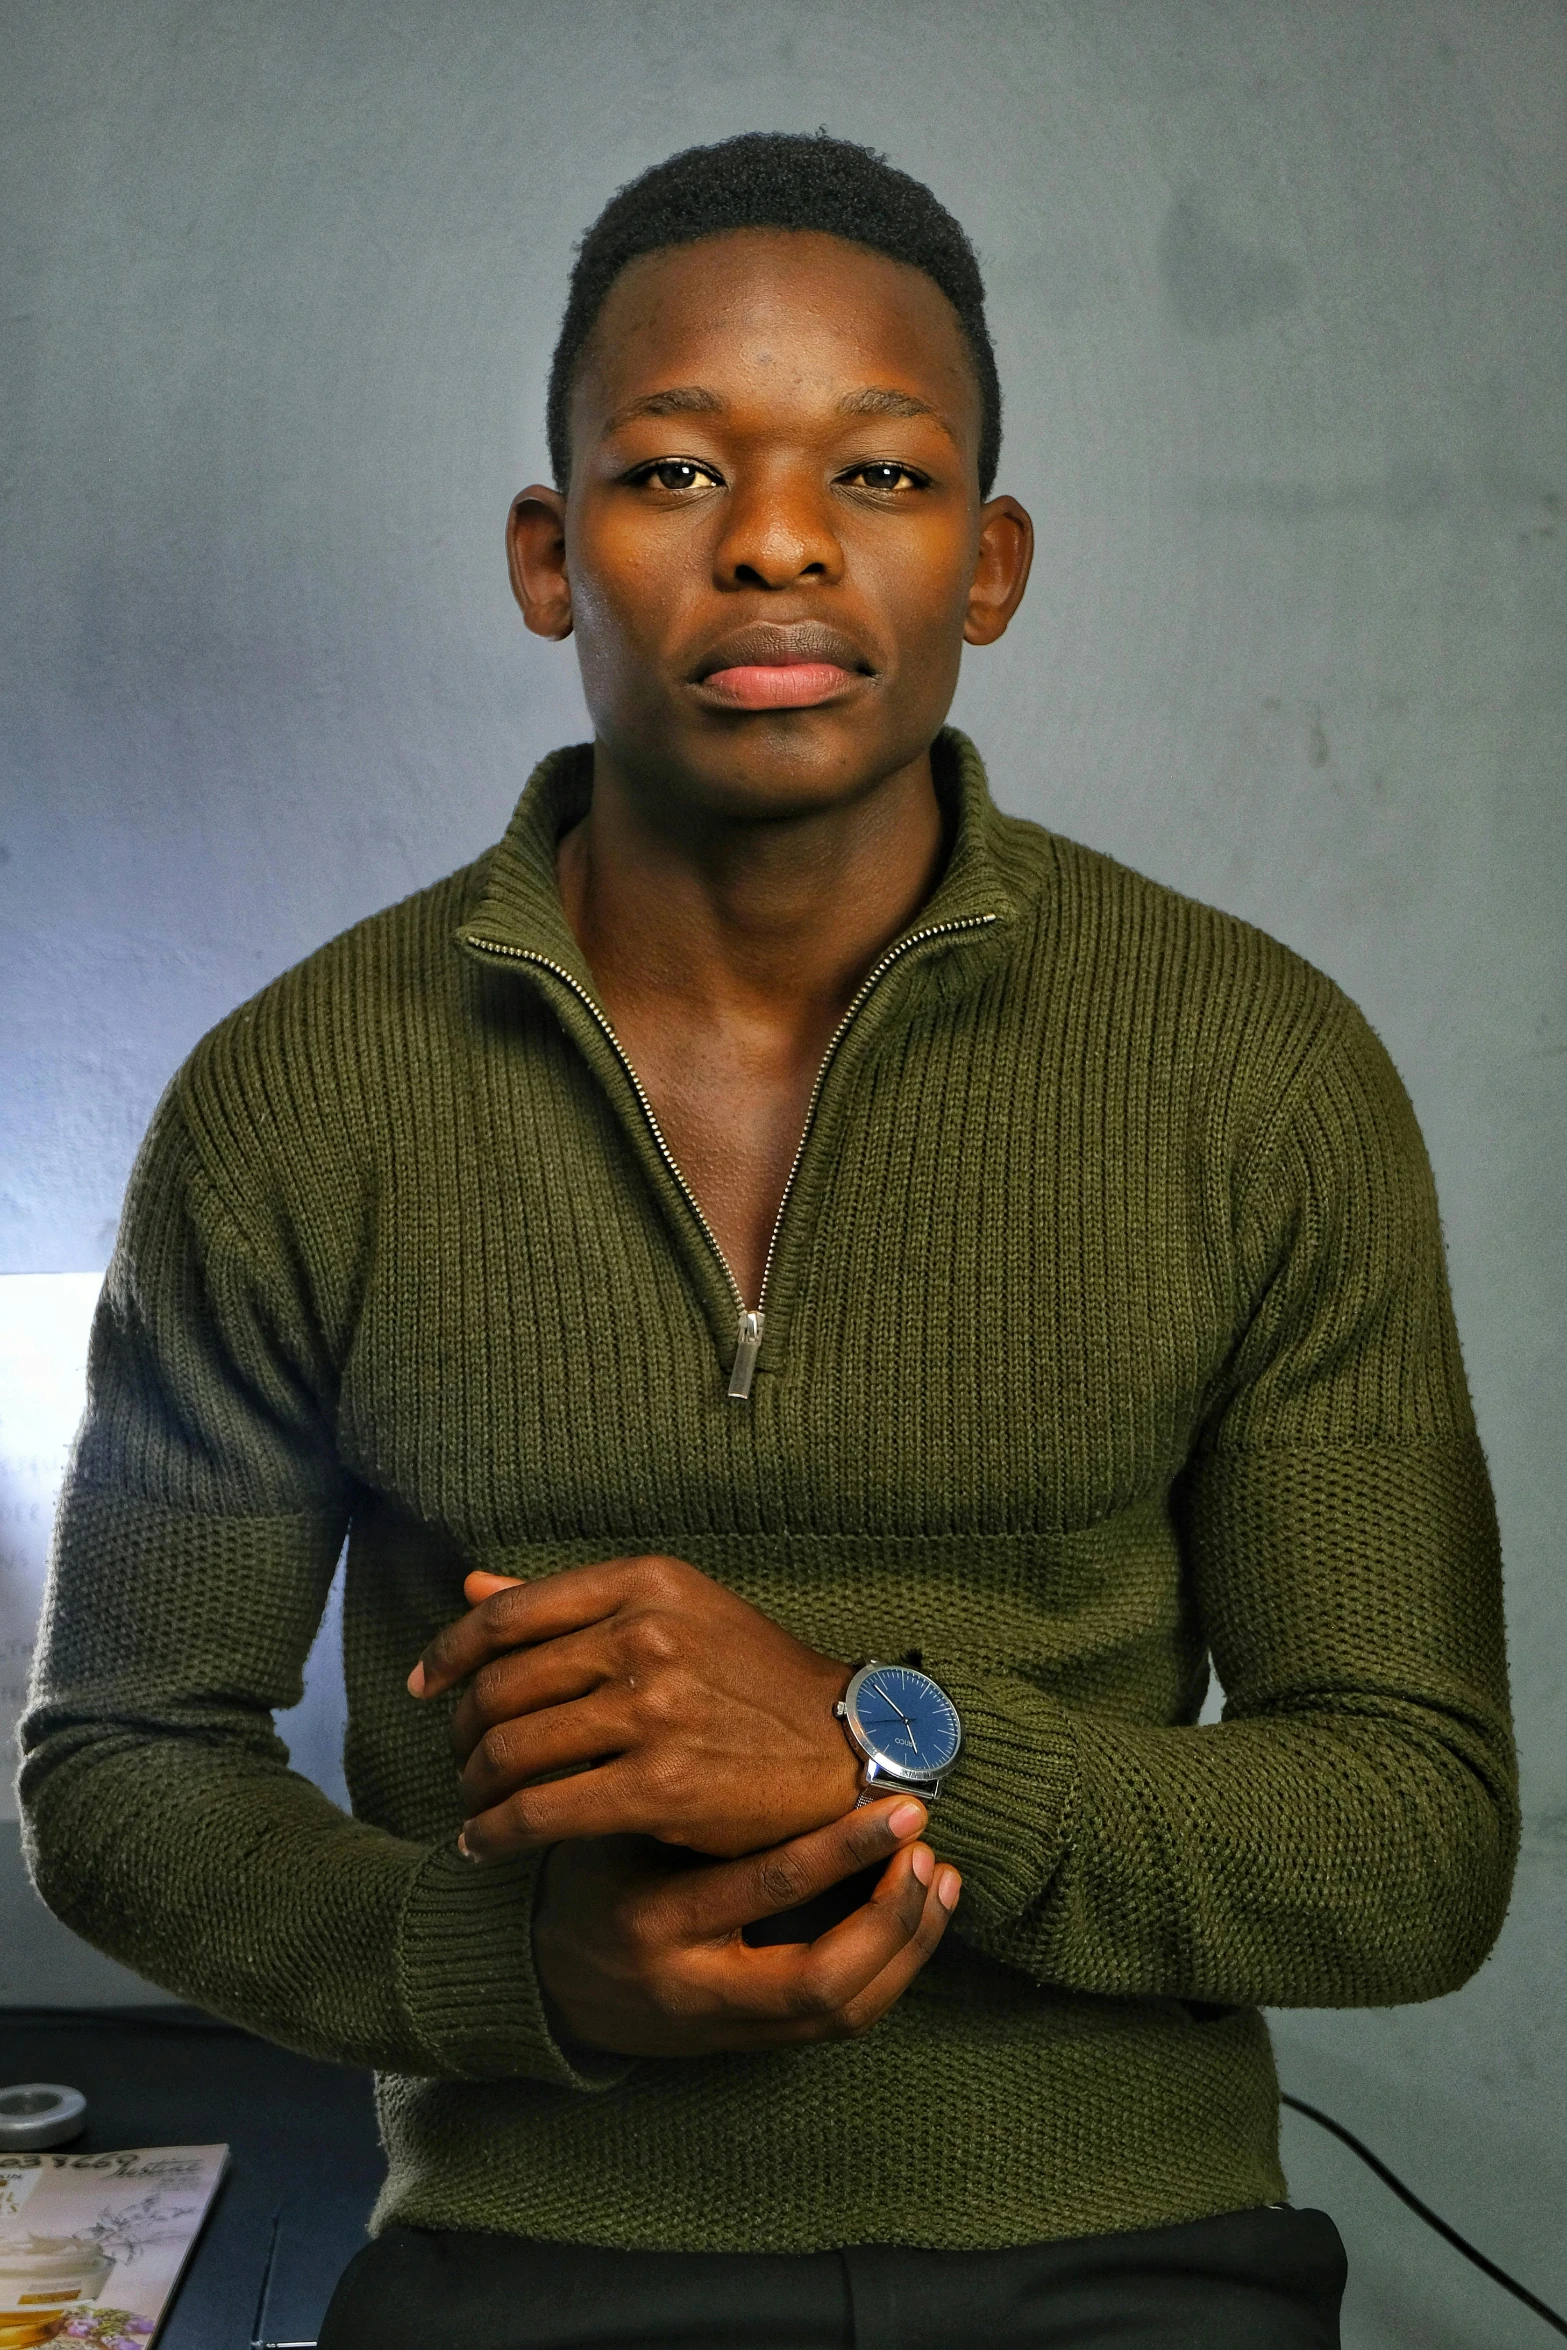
(873, 1790)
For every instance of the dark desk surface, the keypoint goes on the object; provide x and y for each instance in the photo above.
(301, 2139)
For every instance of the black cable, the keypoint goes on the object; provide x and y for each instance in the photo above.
(259, 2320)
(1433, 2219)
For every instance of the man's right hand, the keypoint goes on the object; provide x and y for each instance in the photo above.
(641, 1952)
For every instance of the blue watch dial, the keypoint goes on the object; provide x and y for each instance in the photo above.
(909, 1724)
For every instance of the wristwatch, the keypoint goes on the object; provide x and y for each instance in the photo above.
(906, 1727)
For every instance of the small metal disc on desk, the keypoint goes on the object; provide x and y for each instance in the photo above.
(36, 2114)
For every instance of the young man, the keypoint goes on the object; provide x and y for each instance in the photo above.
(857, 1293)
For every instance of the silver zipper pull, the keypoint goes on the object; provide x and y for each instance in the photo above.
(745, 1358)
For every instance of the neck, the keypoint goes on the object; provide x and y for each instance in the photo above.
(776, 918)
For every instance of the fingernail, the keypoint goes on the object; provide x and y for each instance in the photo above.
(416, 1680)
(462, 1844)
(906, 1819)
(489, 1584)
(948, 1886)
(923, 1863)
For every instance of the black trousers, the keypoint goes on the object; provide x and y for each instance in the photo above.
(1269, 2279)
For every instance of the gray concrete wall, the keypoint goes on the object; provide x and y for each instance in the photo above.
(1278, 299)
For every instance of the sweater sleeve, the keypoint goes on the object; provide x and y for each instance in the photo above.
(1346, 1835)
(203, 1516)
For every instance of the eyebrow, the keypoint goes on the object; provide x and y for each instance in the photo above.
(875, 400)
(698, 400)
(679, 400)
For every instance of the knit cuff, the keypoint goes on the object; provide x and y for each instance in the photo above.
(1004, 1815)
(466, 1977)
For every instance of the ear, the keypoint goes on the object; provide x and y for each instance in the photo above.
(536, 559)
(1006, 551)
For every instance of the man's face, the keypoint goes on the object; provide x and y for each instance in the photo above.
(774, 543)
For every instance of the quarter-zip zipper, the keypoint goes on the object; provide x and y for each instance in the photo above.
(751, 1318)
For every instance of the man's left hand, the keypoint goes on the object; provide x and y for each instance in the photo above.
(678, 1710)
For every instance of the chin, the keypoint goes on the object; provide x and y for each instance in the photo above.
(782, 764)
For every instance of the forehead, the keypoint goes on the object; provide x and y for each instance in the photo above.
(789, 312)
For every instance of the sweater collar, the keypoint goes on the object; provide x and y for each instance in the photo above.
(518, 912)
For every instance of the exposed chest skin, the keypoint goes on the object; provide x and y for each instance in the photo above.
(731, 1097)
(725, 994)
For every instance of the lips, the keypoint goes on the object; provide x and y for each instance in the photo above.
(778, 665)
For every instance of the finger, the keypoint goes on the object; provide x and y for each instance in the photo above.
(845, 1981)
(519, 1614)
(607, 1800)
(832, 2001)
(563, 1738)
(861, 2009)
(737, 1893)
(526, 1681)
(478, 1584)
(840, 1966)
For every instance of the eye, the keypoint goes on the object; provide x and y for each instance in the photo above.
(676, 473)
(884, 475)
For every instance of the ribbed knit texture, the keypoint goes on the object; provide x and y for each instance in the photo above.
(1109, 1328)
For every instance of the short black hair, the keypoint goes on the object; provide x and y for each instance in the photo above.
(780, 180)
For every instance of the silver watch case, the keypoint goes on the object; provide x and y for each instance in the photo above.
(884, 1775)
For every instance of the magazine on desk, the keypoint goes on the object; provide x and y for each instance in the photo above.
(93, 2245)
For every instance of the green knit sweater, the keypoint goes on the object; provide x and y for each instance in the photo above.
(1108, 1332)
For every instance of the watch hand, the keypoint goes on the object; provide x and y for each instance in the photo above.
(897, 1709)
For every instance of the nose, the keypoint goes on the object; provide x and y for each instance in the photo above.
(778, 533)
